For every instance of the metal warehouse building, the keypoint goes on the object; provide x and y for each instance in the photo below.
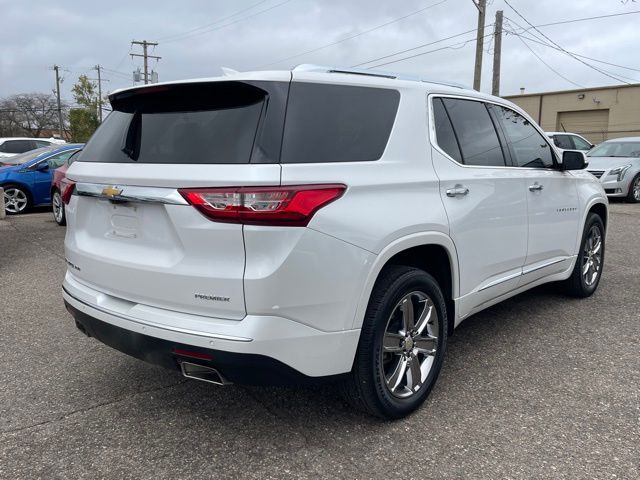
(596, 113)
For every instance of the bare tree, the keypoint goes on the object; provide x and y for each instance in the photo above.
(28, 114)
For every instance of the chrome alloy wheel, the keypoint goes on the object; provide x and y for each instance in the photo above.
(409, 345)
(15, 200)
(58, 207)
(636, 189)
(592, 256)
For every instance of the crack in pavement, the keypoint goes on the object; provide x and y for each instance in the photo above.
(88, 409)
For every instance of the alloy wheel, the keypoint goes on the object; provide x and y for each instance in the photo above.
(409, 345)
(58, 207)
(592, 256)
(636, 189)
(15, 200)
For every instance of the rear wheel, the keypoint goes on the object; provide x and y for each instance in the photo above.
(16, 199)
(588, 268)
(634, 190)
(57, 206)
(402, 344)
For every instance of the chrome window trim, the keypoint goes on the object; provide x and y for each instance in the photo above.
(434, 143)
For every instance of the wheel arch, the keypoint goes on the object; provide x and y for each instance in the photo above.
(17, 183)
(433, 252)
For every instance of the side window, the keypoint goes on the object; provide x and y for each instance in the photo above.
(42, 143)
(57, 160)
(528, 147)
(337, 123)
(563, 141)
(18, 146)
(475, 131)
(580, 143)
(445, 136)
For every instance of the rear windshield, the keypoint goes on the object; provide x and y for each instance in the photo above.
(337, 123)
(201, 123)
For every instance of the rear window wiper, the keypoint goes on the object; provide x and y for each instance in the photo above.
(132, 141)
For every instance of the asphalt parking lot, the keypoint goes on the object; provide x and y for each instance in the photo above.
(540, 386)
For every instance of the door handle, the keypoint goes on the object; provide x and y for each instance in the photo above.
(457, 191)
(536, 187)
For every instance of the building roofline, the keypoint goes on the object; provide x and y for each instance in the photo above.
(575, 90)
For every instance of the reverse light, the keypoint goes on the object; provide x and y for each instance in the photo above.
(620, 171)
(292, 206)
(67, 186)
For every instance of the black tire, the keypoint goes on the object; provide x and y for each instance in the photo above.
(366, 388)
(57, 209)
(576, 285)
(8, 189)
(635, 183)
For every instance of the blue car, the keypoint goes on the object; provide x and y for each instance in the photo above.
(26, 178)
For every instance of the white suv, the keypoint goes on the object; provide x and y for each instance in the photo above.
(318, 224)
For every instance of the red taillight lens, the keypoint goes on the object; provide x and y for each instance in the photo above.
(67, 186)
(284, 206)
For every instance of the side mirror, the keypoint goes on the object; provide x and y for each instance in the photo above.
(42, 167)
(573, 160)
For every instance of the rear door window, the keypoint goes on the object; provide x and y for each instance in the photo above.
(475, 131)
(18, 146)
(337, 123)
(563, 141)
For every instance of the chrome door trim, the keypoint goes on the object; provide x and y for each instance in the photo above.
(501, 280)
(162, 195)
(544, 265)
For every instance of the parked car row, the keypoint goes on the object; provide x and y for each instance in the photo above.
(10, 146)
(27, 178)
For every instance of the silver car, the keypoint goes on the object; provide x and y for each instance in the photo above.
(617, 164)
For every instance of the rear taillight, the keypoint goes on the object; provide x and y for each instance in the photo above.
(67, 186)
(281, 206)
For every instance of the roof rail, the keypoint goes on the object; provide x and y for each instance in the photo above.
(372, 73)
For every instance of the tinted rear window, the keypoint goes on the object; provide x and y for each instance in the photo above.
(336, 123)
(475, 132)
(214, 123)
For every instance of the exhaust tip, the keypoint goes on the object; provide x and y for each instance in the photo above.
(202, 373)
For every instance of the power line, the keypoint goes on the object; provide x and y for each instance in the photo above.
(161, 39)
(454, 46)
(562, 49)
(184, 37)
(584, 19)
(414, 48)
(377, 27)
(535, 40)
(547, 65)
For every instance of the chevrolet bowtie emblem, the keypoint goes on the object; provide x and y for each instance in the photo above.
(111, 192)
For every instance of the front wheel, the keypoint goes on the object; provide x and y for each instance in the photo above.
(57, 206)
(16, 199)
(587, 271)
(402, 344)
(634, 190)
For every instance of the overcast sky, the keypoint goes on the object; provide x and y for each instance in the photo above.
(77, 34)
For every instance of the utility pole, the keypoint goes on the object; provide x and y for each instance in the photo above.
(145, 55)
(61, 126)
(481, 5)
(97, 68)
(497, 51)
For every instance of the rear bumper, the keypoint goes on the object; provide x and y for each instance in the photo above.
(242, 368)
(255, 350)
